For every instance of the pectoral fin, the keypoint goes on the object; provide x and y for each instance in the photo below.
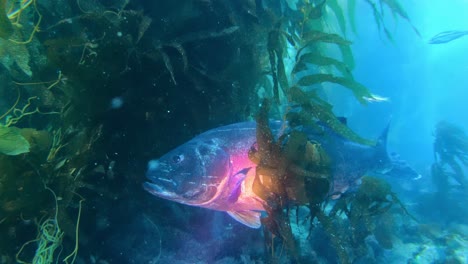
(237, 180)
(248, 218)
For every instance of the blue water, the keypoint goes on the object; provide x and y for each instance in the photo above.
(424, 83)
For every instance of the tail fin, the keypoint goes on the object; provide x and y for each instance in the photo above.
(382, 160)
(382, 140)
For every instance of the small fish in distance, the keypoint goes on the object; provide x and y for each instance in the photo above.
(447, 36)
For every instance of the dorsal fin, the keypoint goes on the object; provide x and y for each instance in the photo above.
(248, 218)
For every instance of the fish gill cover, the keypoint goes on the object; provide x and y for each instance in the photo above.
(71, 161)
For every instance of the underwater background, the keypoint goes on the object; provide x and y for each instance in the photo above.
(92, 90)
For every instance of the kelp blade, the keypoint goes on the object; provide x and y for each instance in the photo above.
(6, 28)
(359, 90)
(12, 142)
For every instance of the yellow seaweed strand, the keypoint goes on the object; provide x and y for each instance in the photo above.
(49, 238)
(74, 253)
(13, 107)
(15, 13)
(52, 83)
(35, 29)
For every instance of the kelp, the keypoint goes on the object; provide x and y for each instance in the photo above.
(351, 10)
(16, 32)
(314, 36)
(311, 107)
(339, 14)
(379, 21)
(281, 179)
(12, 142)
(394, 6)
(311, 38)
(16, 59)
(319, 60)
(28, 138)
(316, 109)
(397, 10)
(97, 45)
(6, 27)
(367, 211)
(313, 10)
(360, 91)
(450, 154)
(294, 172)
(276, 49)
(347, 56)
(94, 46)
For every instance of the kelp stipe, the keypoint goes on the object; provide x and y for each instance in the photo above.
(450, 152)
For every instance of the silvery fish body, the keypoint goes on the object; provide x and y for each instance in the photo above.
(447, 36)
(213, 170)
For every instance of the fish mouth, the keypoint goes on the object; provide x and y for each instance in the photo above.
(157, 190)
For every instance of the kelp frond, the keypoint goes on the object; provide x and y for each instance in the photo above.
(451, 142)
(359, 90)
(6, 27)
(316, 36)
(12, 142)
(313, 37)
(450, 151)
(397, 10)
(352, 15)
(394, 6)
(319, 60)
(314, 108)
(339, 14)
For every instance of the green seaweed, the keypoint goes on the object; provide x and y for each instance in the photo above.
(347, 55)
(336, 237)
(12, 142)
(6, 27)
(276, 56)
(271, 168)
(295, 171)
(291, 178)
(398, 10)
(379, 21)
(314, 36)
(311, 38)
(367, 211)
(450, 152)
(394, 6)
(360, 91)
(339, 14)
(290, 170)
(315, 108)
(352, 15)
(319, 60)
(313, 11)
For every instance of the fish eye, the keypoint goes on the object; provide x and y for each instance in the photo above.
(177, 158)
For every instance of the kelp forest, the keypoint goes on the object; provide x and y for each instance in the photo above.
(92, 89)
